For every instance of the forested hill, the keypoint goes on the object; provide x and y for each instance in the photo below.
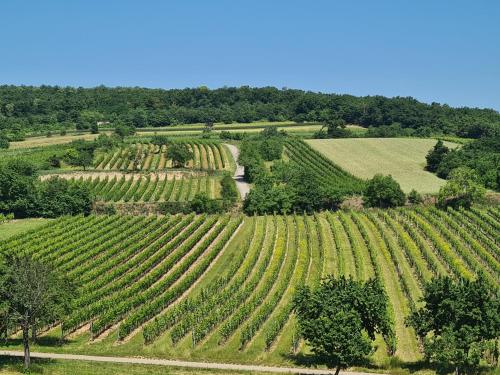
(52, 107)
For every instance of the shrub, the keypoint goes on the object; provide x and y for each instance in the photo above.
(383, 191)
(414, 197)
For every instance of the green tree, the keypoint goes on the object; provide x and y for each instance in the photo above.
(458, 322)
(229, 191)
(33, 296)
(4, 142)
(435, 156)
(80, 154)
(414, 197)
(122, 130)
(461, 189)
(180, 154)
(339, 319)
(383, 191)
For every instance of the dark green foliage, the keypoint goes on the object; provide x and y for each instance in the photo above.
(58, 197)
(80, 153)
(414, 197)
(180, 154)
(482, 155)
(392, 131)
(4, 142)
(160, 140)
(340, 317)
(202, 203)
(461, 190)
(383, 191)
(48, 108)
(54, 161)
(18, 179)
(105, 142)
(175, 207)
(435, 156)
(122, 130)
(458, 322)
(24, 195)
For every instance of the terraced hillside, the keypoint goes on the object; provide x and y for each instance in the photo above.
(208, 155)
(185, 287)
(154, 187)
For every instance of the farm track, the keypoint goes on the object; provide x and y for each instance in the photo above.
(185, 286)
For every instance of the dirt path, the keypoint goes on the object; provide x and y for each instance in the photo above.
(241, 184)
(174, 363)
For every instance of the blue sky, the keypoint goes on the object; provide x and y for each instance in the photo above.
(443, 50)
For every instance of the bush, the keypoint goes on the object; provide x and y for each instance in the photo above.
(435, 156)
(159, 140)
(383, 191)
(229, 191)
(179, 153)
(174, 207)
(4, 142)
(414, 197)
(201, 203)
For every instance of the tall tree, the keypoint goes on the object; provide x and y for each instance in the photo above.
(340, 317)
(457, 322)
(435, 156)
(32, 295)
(179, 153)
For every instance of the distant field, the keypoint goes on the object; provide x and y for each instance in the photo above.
(403, 158)
(14, 227)
(54, 140)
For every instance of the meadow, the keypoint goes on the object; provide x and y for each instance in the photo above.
(220, 287)
(403, 158)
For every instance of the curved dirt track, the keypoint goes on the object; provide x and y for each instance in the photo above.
(174, 363)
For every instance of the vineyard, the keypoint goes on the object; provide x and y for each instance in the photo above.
(325, 170)
(185, 287)
(178, 187)
(208, 155)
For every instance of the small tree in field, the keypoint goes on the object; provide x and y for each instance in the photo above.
(383, 191)
(459, 323)
(180, 154)
(32, 296)
(339, 319)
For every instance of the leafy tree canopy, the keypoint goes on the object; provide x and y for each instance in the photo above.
(458, 322)
(383, 191)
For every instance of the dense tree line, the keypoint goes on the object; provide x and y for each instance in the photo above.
(26, 108)
(481, 155)
(24, 195)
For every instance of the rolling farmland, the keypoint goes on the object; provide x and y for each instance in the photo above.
(154, 187)
(148, 157)
(183, 286)
(403, 158)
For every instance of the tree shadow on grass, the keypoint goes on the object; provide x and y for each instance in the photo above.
(48, 341)
(393, 364)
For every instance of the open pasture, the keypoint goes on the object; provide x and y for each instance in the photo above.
(403, 158)
(219, 288)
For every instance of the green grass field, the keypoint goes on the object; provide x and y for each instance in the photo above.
(14, 227)
(403, 158)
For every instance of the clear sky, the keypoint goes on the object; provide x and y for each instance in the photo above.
(435, 50)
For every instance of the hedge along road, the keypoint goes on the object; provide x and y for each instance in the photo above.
(174, 363)
(239, 174)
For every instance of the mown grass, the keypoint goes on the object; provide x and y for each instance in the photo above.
(11, 228)
(403, 158)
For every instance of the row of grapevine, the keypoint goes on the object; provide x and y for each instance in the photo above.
(150, 187)
(208, 155)
(325, 170)
(197, 287)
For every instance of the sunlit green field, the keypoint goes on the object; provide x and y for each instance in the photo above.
(14, 227)
(403, 158)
